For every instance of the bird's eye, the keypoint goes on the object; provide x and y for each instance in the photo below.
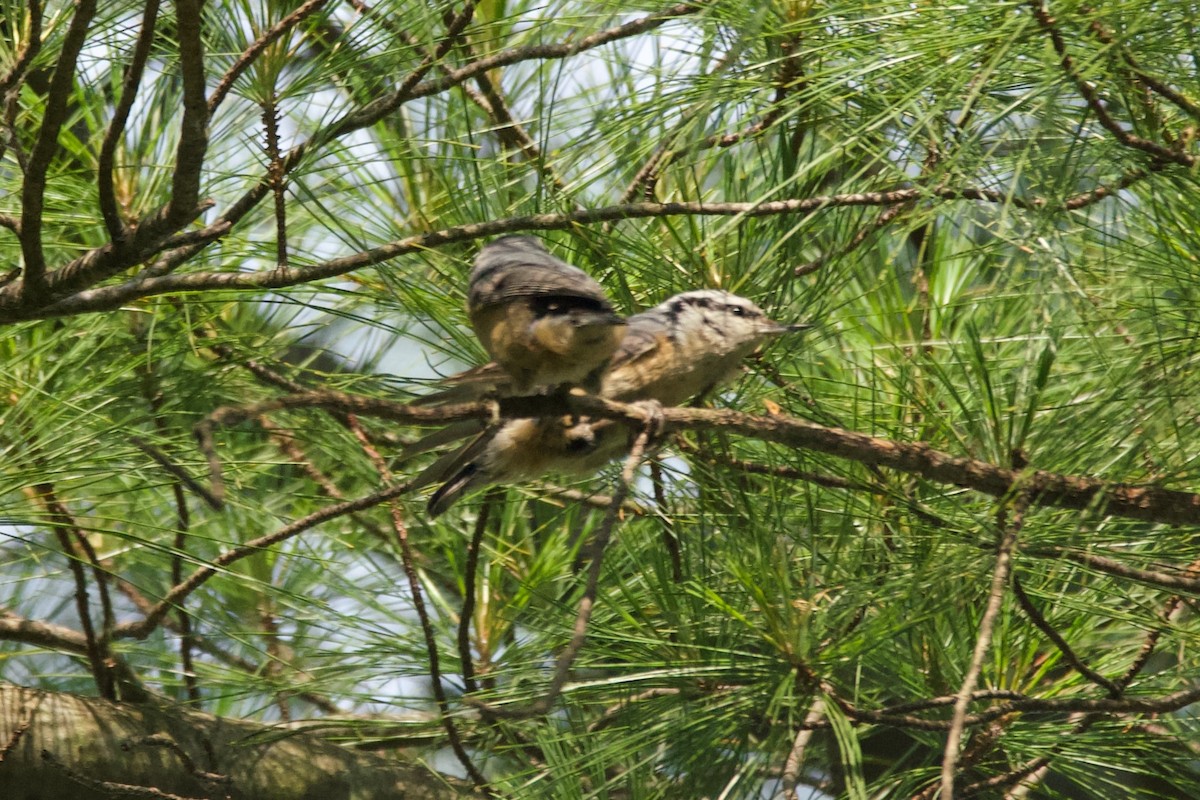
(737, 311)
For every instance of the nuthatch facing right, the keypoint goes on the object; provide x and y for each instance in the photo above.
(545, 322)
(677, 350)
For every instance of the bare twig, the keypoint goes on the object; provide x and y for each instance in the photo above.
(189, 764)
(591, 499)
(983, 641)
(1143, 657)
(883, 219)
(100, 788)
(286, 441)
(275, 174)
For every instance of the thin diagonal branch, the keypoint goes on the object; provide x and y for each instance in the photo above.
(1177, 98)
(109, 208)
(1092, 97)
(180, 591)
(983, 642)
(470, 570)
(205, 645)
(33, 285)
(255, 49)
(178, 472)
(1038, 619)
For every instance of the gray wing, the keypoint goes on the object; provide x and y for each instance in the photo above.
(446, 466)
(454, 432)
(520, 266)
(643, 332)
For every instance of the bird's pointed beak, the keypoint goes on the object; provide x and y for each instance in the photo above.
(777, 328)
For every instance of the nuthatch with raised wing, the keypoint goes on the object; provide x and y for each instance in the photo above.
(681, 348)
(545, 322)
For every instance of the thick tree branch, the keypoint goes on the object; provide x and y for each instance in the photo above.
(92, 737)
(193, 135)
(1145, 502)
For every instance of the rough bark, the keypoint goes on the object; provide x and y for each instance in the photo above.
(99, 749)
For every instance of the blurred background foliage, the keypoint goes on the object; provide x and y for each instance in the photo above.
(1046, 324)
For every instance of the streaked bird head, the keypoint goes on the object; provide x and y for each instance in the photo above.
(720, 322)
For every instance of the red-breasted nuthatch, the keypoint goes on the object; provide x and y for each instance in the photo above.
(679, 349)
(545, 322)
